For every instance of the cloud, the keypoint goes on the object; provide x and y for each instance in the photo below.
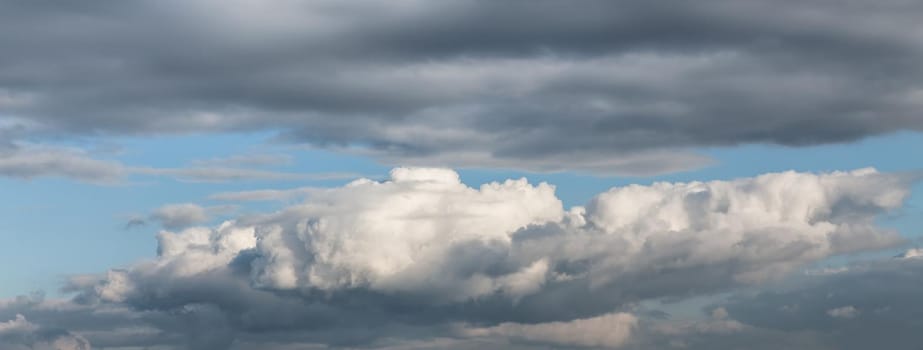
(605, 331)
(223, 174)
(826, 271)
(388, 235)
(265, 195)
(29, 161)
(135, 221)
(718, 331)
(176, 216)
(32, 161)
(912, 253)
(843, 312)
(378, 263)
(247, 160)
(874, 302)
(19, 324)
(180, 215)
(605, 87)
(20, 334)
(718, 323)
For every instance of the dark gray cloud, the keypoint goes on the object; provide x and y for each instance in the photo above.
(858, 307)
(602, 86)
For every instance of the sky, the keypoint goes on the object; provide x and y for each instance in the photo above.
(460, 174)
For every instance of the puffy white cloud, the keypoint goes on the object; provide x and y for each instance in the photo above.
(406, 234)
(767, 225)
(198, 249)
(609, 330)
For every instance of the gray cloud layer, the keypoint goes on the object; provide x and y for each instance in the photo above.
(424, 260)
(603, 86)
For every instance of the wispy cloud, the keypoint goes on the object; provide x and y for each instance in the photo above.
(220, 174)
(266, 195)
(30, 161)
(33, 161)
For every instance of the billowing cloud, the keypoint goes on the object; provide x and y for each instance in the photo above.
(606, 86)
(412, 257)
(406, 234)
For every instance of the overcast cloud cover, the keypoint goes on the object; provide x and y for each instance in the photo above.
(419, 259)
(633, 85)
